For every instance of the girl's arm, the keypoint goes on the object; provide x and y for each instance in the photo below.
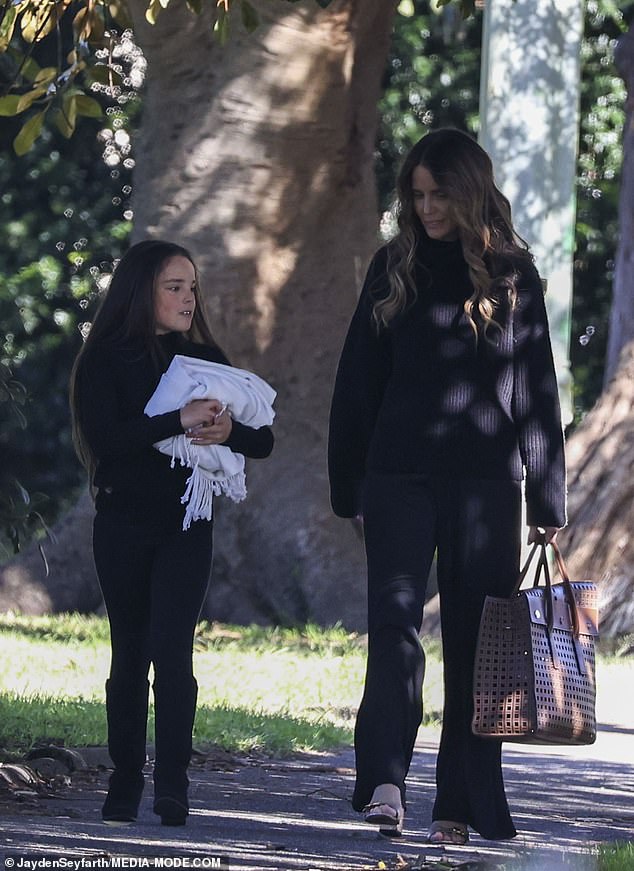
(109, 432)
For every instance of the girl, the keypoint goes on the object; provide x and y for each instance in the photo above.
(153, 575)
(445, 397)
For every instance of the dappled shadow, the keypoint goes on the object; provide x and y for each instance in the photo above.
(296, 813)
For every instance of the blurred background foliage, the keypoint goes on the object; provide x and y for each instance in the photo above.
(65, 217)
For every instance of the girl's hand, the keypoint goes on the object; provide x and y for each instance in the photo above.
(549, 532)
(215, 432)
(198, 412)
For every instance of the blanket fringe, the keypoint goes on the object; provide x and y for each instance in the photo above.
(201, 489)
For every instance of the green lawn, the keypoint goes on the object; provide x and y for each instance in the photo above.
(260, 690)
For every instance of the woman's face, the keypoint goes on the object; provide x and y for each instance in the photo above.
(432, 206)
(174, 296)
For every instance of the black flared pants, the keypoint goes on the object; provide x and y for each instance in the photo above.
(474, 527)
(154, 583)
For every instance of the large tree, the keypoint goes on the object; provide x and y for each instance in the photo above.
(258, 154)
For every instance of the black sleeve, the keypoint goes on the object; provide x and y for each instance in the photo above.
(254, 443)
(362, 374)
(536, 407)
(109, 432)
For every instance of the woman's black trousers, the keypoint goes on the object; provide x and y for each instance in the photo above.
(473, 525)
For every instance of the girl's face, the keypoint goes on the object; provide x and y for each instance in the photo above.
(174, 296)
(432, 206)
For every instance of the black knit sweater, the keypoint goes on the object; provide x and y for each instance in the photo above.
(133, 478)
(422, 396)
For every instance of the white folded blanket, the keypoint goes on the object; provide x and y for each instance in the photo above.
(216, 469)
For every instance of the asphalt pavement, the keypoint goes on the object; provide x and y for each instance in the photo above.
(295, 813)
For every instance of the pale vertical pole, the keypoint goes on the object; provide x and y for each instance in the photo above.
(529, 115)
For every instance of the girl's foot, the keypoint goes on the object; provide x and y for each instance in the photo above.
(172, 811)
(448, 832)
(385, 810)
(124, 796)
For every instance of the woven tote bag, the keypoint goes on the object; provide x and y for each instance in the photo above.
(534, 670)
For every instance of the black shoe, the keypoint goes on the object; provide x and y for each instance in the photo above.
(124, 796)
(170, 794)
(171, 810)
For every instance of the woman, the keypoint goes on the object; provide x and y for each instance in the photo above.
(445, 397)
(153, 575)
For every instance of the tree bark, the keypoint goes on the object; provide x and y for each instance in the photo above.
(622, 311)
(258, 156)
(71, 583)
(598, 542)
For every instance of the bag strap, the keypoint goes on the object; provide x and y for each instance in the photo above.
(543, 567)
(572, 605)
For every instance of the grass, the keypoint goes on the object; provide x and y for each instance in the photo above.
(261, 690)
(616, 857)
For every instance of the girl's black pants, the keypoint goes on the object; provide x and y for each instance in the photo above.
(474, 526)
(154, 581)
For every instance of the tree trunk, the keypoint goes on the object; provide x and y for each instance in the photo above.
(622, 311)
(71, 584)
(598, 542)
(258, 156)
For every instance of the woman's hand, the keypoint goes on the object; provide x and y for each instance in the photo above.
(549, 533)
(214, 431)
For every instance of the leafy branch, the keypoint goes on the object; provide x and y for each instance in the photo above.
(63, 91)
(20, 514)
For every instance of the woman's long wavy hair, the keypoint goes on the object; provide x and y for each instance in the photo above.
(463, 170)
(125, 318)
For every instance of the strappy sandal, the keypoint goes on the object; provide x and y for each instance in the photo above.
(389, 819)
(384, 812)
(448, 832)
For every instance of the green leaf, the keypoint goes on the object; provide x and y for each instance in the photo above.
(7, 26)
(195, 6)
(250, 17)
(88, 107)
(221, 27)
(45, 76)
(406, 8)
(26, 100)
(66, 117)
(28, 134)
(9, 105)
(153, 11)
(30, 69)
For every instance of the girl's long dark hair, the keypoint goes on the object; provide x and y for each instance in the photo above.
(463, 170)
(125, 319)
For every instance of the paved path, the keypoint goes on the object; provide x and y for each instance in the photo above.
(295, 814)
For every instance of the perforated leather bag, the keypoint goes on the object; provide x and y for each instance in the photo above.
(534, 672)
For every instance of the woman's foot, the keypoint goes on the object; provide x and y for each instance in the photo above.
(124, 796)
(385, 810)
(448, 832)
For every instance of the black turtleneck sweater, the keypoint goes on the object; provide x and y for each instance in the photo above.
(423, 397)
(133, 478)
